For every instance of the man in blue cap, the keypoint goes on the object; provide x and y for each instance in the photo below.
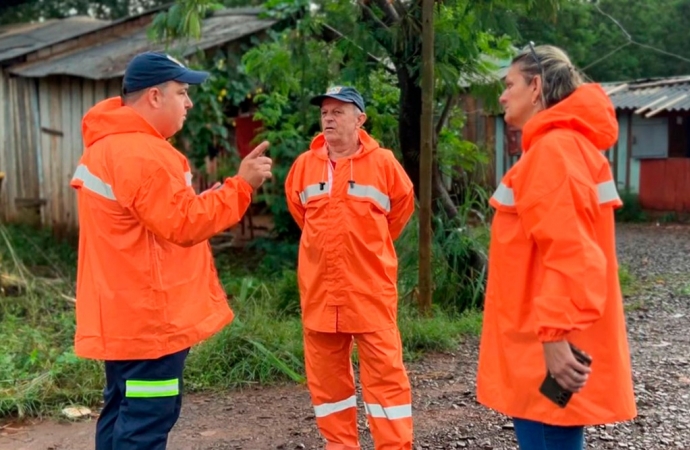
(351, 198)
(147, 288)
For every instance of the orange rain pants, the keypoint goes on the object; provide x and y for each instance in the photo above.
(385, 388)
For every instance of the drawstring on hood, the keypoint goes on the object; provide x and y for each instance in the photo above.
(329, 165)
(319, 147)
(322, 184)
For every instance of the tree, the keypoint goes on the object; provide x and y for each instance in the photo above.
(16, 11)
(597, 44)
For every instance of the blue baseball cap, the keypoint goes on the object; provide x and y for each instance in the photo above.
(343, 93)
(149, 69)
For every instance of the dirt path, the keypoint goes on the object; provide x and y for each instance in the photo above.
(446, 413)
(273, 418)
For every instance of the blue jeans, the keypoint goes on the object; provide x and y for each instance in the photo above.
(540, 436)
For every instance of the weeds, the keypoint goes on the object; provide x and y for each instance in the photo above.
(38, 370)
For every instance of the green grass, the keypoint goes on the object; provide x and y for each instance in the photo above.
(628, 282)
(39, 373)
(684, 291)
(439, 332)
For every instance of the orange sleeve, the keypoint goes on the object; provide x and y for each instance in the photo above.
(294, 203)
(401, 193)
(558, 211)
(168, 207)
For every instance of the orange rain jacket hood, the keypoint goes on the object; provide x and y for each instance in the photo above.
(146, 281)
(553, 272)
(347, 267)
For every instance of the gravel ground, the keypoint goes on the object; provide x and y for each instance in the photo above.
(446, 413)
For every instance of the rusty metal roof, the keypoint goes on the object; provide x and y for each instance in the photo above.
(651, 96)
(20, 39)
(108, 60)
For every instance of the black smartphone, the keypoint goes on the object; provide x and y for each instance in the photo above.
(554, 391)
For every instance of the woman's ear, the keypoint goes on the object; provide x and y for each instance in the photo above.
(536, 89)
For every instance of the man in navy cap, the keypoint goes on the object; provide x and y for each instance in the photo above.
(147, 288)
(352, 199)
(156, 84)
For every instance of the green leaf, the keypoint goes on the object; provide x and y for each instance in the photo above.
(174, 19)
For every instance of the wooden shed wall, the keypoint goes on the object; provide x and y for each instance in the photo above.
(19, 135)
(7, 188)
(480, 128)
(41, 154)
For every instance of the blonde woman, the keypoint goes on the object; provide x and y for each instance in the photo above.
(553, 274)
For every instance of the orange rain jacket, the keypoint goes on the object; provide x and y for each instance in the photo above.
(146, 281)
(347, 266)
(553, 272)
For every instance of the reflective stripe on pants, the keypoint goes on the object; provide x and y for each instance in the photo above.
(142, 403)
(385, 388)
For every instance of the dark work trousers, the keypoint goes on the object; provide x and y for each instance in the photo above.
(142, 403)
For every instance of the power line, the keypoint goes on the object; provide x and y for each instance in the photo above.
(611, 53)
(629, 42)
(627, 35)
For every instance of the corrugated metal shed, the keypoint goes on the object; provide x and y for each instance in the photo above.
(108, 60)
(19, 40)
(651, 96)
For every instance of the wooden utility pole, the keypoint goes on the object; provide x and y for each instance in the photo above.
(426, 156)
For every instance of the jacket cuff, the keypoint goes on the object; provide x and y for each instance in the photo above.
(240, 183)
(551, 335)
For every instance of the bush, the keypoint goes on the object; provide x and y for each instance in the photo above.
(631, 211)
(459, 256)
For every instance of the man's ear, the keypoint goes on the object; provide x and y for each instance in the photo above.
(361, 119)
(155, 96)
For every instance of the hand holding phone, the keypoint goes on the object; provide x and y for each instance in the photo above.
(573, 376)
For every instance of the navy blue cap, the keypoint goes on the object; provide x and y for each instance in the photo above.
(342, 93)
(149, 69)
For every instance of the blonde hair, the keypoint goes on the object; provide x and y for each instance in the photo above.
(559, 77)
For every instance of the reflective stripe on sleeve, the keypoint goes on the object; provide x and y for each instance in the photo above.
(606, 192)
(92, 183)
(504, 195)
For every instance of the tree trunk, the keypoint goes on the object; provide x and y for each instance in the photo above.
(409, 124)
(426, 159)
(409, 131)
